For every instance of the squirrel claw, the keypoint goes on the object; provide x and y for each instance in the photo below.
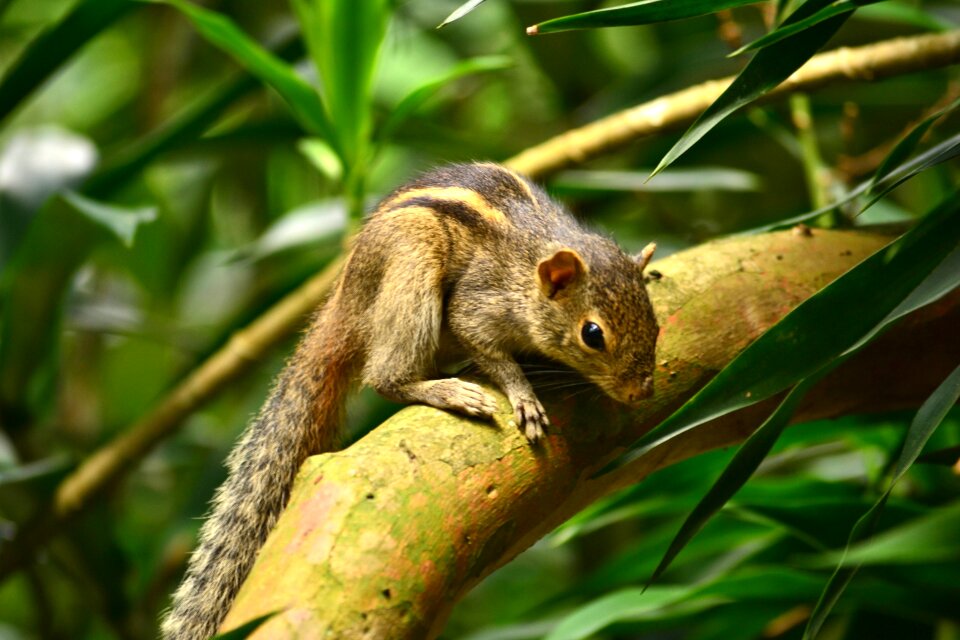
(531, 418)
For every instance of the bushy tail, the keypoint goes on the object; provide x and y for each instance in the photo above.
(302, 417)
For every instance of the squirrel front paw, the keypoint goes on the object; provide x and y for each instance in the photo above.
(531, 417)
(464, 397)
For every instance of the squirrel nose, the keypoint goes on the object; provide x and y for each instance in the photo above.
(640, 391)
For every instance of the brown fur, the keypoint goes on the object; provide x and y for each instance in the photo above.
(472, 256)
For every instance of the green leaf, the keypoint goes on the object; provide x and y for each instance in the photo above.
(627, 604)
(820, 329)
(121, 222)
(906, 146)
(416, 98)
(302, 99)
(688, 179)
(771, 66)
(743, 465)
(837, 8)
(52, 48)
(461, 11)
(53, 466)
(245, 630)
(904, 543)
(344, 38)
(636, 13)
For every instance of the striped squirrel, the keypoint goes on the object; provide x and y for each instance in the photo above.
(468, 260)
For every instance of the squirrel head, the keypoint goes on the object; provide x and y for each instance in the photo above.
(599, 319)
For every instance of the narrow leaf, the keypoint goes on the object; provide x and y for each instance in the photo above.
(245, 630)
(55, 46)
(771, 66)
(344, 38)
(906, 146)
(738, 471)
(121, 222)
(626, 605)
(636, 13)
(928, 418)
(837, 8)
(461, 11)
(820, 329)
(220, 31)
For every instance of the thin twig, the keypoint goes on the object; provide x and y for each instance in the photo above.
(871, 62)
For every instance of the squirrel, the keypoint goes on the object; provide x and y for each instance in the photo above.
(468, 260)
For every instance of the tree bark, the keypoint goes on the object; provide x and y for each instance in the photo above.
(382, 539)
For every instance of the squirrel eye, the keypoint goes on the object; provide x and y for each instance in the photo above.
(592, 335)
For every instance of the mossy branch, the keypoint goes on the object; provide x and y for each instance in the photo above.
(382, 539)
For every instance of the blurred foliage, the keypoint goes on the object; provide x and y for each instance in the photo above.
(169, 170)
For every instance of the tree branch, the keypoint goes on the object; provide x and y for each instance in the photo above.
(871, 62)
(382, 539)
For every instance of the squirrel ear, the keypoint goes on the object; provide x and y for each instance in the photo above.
(643, 258)
(559, 271)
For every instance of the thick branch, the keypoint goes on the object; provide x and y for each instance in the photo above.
(380, 540)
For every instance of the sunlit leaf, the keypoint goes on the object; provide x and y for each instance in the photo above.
(626, 605)
(344, 38)
(820, 329)
(767, 69)
(34, 165)
(635, 13)
(55, 46)
(461, 11)
(688, 179)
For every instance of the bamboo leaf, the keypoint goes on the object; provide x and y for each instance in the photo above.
(461, 11)
(636, 13)
(344, 38)
(768, 68)
(837, 8)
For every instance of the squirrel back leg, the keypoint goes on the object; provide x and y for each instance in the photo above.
(404, 327)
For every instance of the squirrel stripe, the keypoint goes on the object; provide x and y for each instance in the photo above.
(425, 196)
